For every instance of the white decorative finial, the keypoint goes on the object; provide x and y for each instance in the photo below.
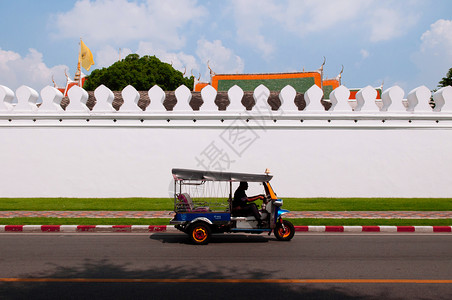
(131, 98)
(6, 98)
(77, 99)
(26, 99)
(51, 100)
(313, 97)
(287, 98)
(183, 96)
(156, 96)
(209, 94)
(104, 99)
(235, 95)
(260, 95)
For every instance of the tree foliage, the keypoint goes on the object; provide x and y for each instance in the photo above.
(142, 73)
(446, 80)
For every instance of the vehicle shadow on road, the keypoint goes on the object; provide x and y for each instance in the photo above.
(105, 279)
(214, 239)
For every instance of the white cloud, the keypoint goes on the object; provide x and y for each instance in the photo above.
(108, 55)
(180, 60)
(249, 18)
(389, 23)
(380, 21)
(29, 70)
(119, 21)
(299, 17)
(221, 59)
(434, 57)
(364, 53)
(317, 15)
(438, 40)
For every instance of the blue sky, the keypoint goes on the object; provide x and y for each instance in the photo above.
(403, 42)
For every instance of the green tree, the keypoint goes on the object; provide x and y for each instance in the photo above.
(142, 73)
(446, 80)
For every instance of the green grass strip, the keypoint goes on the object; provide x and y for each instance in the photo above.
(165, 221)
(368, 204)
(109, 204)
(294, 204)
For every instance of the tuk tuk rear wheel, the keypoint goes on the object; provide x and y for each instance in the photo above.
(286, 232)
(199, 233)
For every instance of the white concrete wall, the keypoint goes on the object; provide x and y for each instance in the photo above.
(311, 153)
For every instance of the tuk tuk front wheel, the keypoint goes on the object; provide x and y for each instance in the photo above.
(286, 232)
(199, 233)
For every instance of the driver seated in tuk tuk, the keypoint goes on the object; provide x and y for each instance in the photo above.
(241, 204)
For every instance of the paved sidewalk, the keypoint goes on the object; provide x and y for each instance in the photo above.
(293, 214)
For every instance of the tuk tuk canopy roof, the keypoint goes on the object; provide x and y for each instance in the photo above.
(186, 174)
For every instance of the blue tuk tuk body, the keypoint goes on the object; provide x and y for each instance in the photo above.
(200, 220)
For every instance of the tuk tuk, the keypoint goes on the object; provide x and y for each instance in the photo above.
(203, 206)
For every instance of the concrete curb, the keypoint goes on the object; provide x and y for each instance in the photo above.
(401, 229)
(170, 228)
(86, 228)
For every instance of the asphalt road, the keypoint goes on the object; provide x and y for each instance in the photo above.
(232, 266)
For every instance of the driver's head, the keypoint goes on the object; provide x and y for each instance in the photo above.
(243, 185)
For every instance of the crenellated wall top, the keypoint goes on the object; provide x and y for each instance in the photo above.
(183, 104)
